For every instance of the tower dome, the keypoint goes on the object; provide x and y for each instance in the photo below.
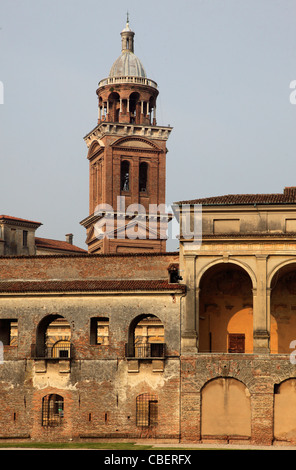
(127, 64)
(127, 95)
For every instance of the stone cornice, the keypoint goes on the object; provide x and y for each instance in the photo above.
(127, 130)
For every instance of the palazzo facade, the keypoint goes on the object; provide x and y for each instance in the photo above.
(128, 341)
(239, 317)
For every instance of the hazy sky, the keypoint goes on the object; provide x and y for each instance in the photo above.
(223, 68)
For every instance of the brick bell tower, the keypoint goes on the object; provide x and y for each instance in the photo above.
(127, 161)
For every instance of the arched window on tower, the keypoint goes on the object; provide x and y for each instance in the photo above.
(114, 105)
(134, 108)
(125, 176)
(152, 109)
(143, 177)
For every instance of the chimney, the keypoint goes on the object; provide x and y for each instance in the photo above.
(290, 191)
(69, 238)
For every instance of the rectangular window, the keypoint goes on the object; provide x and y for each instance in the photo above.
(25, 238)
(99, 331)
(8, 331)
(147, 410)
(236, 343)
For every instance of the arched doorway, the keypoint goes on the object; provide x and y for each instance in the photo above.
(226, 310)
(283, 309)
(285, 411)
(225, 409)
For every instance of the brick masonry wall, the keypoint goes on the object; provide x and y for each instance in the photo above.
(99, 391)
(259, 374)
(100, 397)
(99, 401)
(87, 267)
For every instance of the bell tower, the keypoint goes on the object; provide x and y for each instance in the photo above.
(127, 161)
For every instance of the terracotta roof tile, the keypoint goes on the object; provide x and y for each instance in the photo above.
(85, 254)
(17, 219)
(88, 286)
(57, 245)
(287, 197)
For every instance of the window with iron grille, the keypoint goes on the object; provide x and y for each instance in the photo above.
(60, 349)
(147, 410)
(146, 337)
(52, 410)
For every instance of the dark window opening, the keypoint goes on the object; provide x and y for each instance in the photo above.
(134, 107)
(52, 410)
(174, 274)
(99, 331)
(143, 177)
(25, 238)
(8, 332)
(114, 100)
(124, 176)
(147, 410)
(64, 353)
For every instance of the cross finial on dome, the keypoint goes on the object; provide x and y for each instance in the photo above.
(127, 26)
(127, 37)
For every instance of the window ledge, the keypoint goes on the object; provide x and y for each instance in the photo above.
(63, 364)
(134, 364)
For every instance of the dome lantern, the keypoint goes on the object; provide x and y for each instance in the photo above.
(127, 38)
(127, 64)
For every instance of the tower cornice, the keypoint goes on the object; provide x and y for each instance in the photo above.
(127, 130)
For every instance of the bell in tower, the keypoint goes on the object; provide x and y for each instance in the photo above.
(127, 161)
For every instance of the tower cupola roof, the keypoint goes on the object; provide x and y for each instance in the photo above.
(127, 64)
